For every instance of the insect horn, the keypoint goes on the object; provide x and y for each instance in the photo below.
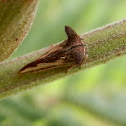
(70, 32)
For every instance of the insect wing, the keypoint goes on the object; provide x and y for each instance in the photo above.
(51, 50)
(45, 66)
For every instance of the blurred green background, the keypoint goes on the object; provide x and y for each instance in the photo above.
(94, 97)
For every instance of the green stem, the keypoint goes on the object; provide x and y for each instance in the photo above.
(103, 45)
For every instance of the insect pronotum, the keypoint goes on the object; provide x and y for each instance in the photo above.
(72, 52)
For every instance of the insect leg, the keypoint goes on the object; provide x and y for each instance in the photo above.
(72, 66)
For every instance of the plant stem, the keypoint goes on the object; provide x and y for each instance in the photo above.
(103, 44)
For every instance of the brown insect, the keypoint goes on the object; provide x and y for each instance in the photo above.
(71, 53)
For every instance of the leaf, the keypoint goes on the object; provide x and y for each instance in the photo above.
(16, 18)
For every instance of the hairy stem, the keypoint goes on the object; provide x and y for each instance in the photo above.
(103, 44)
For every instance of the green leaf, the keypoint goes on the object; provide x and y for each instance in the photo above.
(16, 18)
